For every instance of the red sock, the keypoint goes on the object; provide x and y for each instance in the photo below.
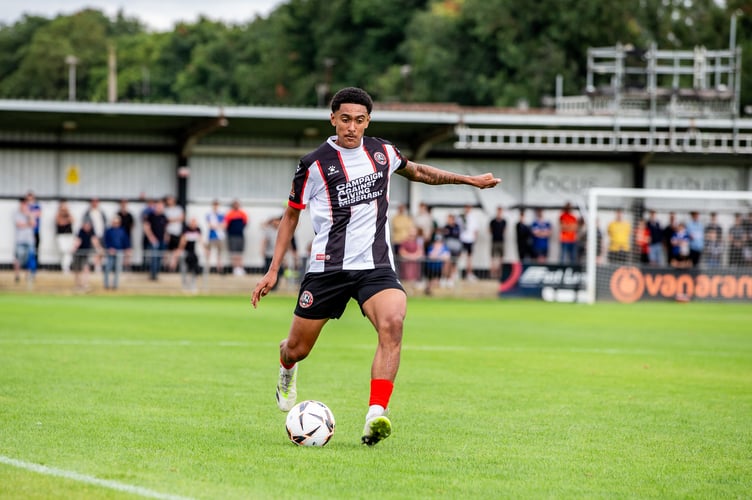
(285, 365)
(381, 391)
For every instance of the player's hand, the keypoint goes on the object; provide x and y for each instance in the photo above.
(486, 181)
(263, 287)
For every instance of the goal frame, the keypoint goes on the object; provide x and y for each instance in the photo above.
(600, 192)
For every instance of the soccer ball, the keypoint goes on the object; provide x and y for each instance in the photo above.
(310, 423)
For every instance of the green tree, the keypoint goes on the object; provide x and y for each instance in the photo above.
(135, 54)
(208, 76)
(42, 73)
(175, 55)
(471, 52)
(352, 42)
(14, 43)
(265, 70)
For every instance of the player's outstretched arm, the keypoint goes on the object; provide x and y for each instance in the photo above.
(427, 174)
(284, 235)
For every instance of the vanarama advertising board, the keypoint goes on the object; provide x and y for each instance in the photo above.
(630, 284)
(627, 284)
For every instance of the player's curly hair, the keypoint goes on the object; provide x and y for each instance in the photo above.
(352, 95)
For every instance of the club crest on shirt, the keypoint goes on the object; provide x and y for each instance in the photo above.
(306, 299)
(379, 158)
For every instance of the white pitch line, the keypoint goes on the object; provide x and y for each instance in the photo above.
(83, 478)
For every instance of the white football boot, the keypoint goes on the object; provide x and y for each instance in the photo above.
(286, 387)
(378, 426)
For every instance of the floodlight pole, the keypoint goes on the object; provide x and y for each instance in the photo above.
(71, 61)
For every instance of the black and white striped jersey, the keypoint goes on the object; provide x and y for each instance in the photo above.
(347, 193)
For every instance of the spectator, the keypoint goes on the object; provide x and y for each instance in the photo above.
(747, 253)
(215, 220)
(468, 237)
(411, 253)
(541, 234)
(425, 224)
(24, 255)
(497, 227)
(451, 235)
(126, 218)
(680, 250)
(155, 230)
(189, 242)
(696, 231)
(714, 227)
(175, 221)
(524, 238)
(713, 252)
(235, 222)
(36, 211)
(737, 240)
(655, 249)
(95, 216)
(116, 244)
(401, 223)
(145, 243)
(642, 240)
(568, 235)
(64, 235)
(668, 232)
(127, 222)
(85, 247)
(619, 239)
(438, 262)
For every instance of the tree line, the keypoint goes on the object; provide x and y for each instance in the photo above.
(470, 52)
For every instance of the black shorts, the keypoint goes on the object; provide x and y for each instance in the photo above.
(80, 260)
(235, 243)
(174, 242)
(497, 249)
(325, 295)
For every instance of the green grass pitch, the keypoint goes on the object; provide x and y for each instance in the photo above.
(174, 396)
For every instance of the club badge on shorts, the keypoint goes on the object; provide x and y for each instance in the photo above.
(306, 299)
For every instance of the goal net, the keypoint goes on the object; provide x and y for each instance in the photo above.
(664, 244)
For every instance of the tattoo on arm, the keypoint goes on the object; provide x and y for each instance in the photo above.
(427, 174)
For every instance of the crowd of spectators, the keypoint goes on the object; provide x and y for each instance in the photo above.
(697, 240)
(694, 241)
(102, 242)
(691, 242)
(428, 253)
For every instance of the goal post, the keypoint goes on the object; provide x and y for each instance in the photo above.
(720, 209)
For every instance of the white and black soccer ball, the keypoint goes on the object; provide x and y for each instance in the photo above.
(310, 423)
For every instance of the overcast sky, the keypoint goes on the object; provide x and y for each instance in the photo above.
(159, 15)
